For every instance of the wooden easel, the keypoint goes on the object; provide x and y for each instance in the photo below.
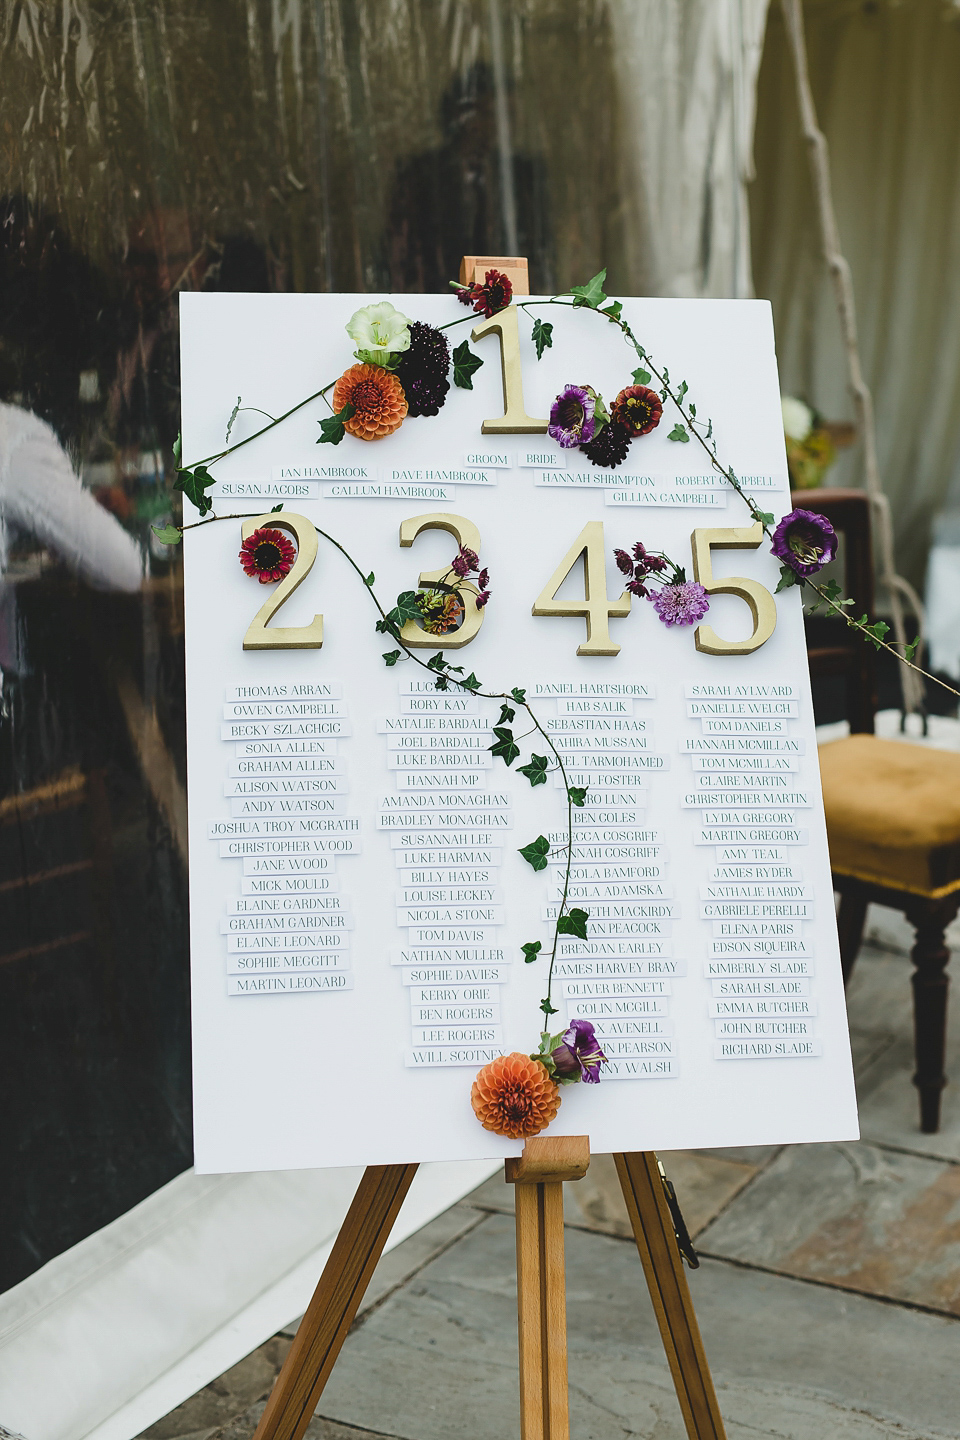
(538, 1174)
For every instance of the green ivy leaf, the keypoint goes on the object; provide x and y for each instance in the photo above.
(332, 430)
(910, 651)
(577, 794)
(506, 715)
(547, 1008)
(536, 852)
(574, 923)
(788, 577)
(876, 633)
(542, 336)
(233, 415)
(679, 432)
(193, 483)
(614, 310)
(592, 293)
(519, 695)
(504, 747)
(391, 657)
(368, 579)
(407, 608)
(168, 535)
(437, 662)
(275, 509)
(530, 951)
(178, 450)
(464, 365)
(641, 376)
(536, 770)
(765, 517)
(471, 683)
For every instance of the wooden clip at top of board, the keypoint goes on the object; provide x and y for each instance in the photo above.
(549, 1159)
(475, 267)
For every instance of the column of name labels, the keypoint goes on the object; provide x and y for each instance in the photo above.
(748, 799)
(287, 930)
(620, 978)
(447, 829)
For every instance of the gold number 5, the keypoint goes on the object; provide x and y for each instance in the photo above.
(465, 533)
(291, 637)
(762, 605)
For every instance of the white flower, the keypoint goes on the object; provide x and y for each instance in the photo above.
(797, 418)
(379, 331)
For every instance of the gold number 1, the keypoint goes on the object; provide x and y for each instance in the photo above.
(596, 608)
(762, 605)
(514, 420)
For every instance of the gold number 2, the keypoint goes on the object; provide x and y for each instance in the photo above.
(595, 607)
(465, 533)
(762, 605)
(291, 637)
(514, 420)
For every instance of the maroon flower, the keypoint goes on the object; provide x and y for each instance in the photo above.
(465, 562)
(624, 563)
(650, 562)
(638, 409)
(805, 542)
(578, 1055)
(268, 554)
(482, 599)
(494, 294)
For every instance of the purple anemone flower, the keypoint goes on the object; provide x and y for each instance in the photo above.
(578, 1055)
(804, 541)
(681, 604)
(572, 419)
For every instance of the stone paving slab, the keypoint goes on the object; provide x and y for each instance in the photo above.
(854, 1215)
(791, 1360)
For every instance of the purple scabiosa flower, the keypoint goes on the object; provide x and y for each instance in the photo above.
(578, 1056)
(683, 603)
(572, 419)
(805, 542)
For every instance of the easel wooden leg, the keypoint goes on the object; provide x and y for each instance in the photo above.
(541, 1293)
(335, 1302)
(663, 1270)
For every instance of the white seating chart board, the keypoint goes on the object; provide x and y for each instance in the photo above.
(357, 899)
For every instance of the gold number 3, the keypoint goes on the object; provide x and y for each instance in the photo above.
(465, 533)
(291, 637)
(762, 605)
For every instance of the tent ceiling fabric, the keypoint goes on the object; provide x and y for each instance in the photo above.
(886, 83)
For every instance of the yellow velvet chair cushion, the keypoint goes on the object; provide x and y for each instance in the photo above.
(893, 813)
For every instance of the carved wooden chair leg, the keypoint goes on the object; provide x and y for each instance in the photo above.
(851, 918)
(930, 957)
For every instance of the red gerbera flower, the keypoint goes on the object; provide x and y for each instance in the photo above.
(268, 554)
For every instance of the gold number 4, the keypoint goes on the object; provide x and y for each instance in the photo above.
(514, 420)
(762, 605)
(465, 533)
(291, 637)
(595, 607)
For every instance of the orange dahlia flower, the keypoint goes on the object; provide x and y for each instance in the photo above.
(515, 1096)
(378, 401)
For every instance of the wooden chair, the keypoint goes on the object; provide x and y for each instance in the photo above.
(893, 809)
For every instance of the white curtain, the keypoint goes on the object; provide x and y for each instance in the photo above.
(687, 78)
(886, 82)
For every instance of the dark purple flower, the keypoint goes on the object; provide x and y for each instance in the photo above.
(572, 416)
(464, 562)
(483, 579)
(651, 563)
(624, 563)
(578, 1055)
(637, 587)
(482, 599)
(804, 541)
(683, 603)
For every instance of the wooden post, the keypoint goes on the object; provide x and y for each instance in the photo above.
(663, 1270)
(538, 1175)
(335, 1302)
